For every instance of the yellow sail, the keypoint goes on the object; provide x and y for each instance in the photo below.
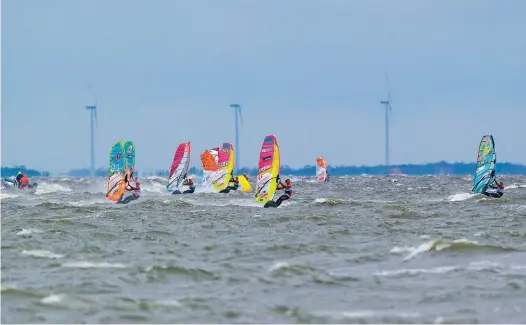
(225, 163)
(245, 185)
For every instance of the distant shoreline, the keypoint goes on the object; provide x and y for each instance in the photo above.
(438, 168)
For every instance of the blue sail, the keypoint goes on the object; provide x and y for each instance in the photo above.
(486, 161)
(129, 151)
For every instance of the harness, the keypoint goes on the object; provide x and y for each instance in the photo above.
(288, 190)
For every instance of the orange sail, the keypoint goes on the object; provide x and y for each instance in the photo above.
(208, 161)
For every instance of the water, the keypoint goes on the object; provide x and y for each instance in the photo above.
(358, 249)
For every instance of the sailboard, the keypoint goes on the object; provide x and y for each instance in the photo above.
(209, 159)
(179, 168)
(486, 161)
(117, 181)
(245, 185)
(225, 164)
(268, 170)
(321, 169)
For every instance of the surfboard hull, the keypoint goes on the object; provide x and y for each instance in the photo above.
(270, 204)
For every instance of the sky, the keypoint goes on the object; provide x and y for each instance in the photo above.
(311, 72)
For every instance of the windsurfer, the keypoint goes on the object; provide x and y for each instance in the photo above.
(23, 182)
(233, 185)
(499, 186)
(19, 177)
(328, 176)
(136, 192)
(190, 183)
(287, 186)
(245, 175)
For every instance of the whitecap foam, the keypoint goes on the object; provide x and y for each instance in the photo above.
(53, 299)
(278, 265)
(460, 197)
(7, 286)
(400, 250)
(4, 195)
(421, 249)
(83, 203)
(41, 254)
(485, 266)
(45, 188)
(29, 231)
(435, 270)
(86, 265)
(168, 303)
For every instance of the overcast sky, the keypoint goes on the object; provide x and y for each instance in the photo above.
(309, 72)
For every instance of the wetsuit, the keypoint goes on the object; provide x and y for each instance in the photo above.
(287, 195)
(499, 193)
(190, 183)
(18, 178)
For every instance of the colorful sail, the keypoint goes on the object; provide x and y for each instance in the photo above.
(486, 161)
(321, 169)
(245, 185)
(129, 162)
(116, 172)
(209, 161)
(179, 168)
(225, 163)
(268, 170)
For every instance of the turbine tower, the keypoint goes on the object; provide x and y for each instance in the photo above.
(387, 106)
(93, 119)
(237, 112)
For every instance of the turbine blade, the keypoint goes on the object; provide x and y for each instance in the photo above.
(387, 84)
(96, 121)
(240, 116)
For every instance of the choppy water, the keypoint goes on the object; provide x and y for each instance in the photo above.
(358, 249)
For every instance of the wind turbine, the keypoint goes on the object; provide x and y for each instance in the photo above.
(237, 112)
(387, 106)
(93, 119)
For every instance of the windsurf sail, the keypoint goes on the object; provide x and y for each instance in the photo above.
(180, 165)
(268, 170)
(486, 161)
(245, 185)
(129, 161)
(321, 169)
(209, 160)
(116, 172)
(225, 164)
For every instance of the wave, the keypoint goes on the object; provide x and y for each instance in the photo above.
(45, 188)
(87, 265)
(460, 197)
(459, 245)
(29, 231)
(41, 254)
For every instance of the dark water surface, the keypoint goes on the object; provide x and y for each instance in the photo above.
(358, 249)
